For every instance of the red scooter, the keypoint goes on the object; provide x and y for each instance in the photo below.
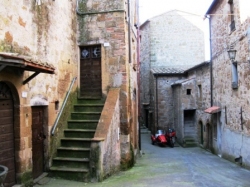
(163, 138)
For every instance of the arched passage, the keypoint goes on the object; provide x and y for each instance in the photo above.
(201, 132)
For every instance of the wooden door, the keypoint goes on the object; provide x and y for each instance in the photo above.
(90, 72)
(7, 149)
(201, 133)
(37, 141)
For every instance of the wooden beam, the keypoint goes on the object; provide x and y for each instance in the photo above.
(30, 78)
(2, 67)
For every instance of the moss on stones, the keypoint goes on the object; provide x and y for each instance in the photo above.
(129, 161)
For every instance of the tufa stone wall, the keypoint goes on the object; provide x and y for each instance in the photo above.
(170, 39)
(45, 32)
(111, 24)
(233, 125)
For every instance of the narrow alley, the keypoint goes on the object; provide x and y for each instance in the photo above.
(165, 166)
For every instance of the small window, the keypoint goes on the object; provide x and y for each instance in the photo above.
(188, 91)
(90, 52)
(200, 92)
(56, 105)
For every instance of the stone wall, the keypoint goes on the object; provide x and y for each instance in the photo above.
(45, 32)
(144, 65)
(170, 39)
(111, 24)
(52, 31)
(174, 40)
(191, 91)
(105, 150)
(235, 128)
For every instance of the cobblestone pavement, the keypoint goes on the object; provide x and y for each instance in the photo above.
(170, 167)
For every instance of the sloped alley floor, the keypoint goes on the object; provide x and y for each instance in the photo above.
(170, 167)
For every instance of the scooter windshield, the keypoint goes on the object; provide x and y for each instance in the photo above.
(160, 132)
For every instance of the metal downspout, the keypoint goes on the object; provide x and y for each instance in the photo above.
(211, 63)
(129, 34)
(157, 116)
(138, 73)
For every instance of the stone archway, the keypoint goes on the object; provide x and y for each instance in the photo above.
(9, 123)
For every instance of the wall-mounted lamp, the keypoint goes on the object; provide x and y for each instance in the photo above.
(232, 55)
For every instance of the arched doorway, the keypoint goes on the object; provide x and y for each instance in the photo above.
(209, 137)
(7, 140)
(201, 132)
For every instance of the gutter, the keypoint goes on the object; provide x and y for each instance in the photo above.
(214, 3)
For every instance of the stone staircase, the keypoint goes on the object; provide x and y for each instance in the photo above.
(190, 137)
(190, 142)
(72, 159)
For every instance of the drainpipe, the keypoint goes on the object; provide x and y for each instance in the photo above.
(211, 62)
(129, 34)
(156, 99)
(138, 72)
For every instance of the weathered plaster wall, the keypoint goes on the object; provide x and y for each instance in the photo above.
(44, 32)
(234, 138)
(35, 30)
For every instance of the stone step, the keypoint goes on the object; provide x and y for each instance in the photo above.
(190, 142)
(76, 174)
(73, 152)
(82, 124)
(79, 133)
(72, 159)
(91, 101)
(145, 131)
(69, 162)
(76, 142)
(88, 107)
(85, 115)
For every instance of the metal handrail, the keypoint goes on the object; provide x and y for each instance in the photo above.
(63, 105)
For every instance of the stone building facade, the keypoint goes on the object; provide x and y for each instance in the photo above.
(179, 98)
(229, 25)
(41, 45)
(211, 99)
(171, 39)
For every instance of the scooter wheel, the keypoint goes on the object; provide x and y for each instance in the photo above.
(171, 144)
(152, 142)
